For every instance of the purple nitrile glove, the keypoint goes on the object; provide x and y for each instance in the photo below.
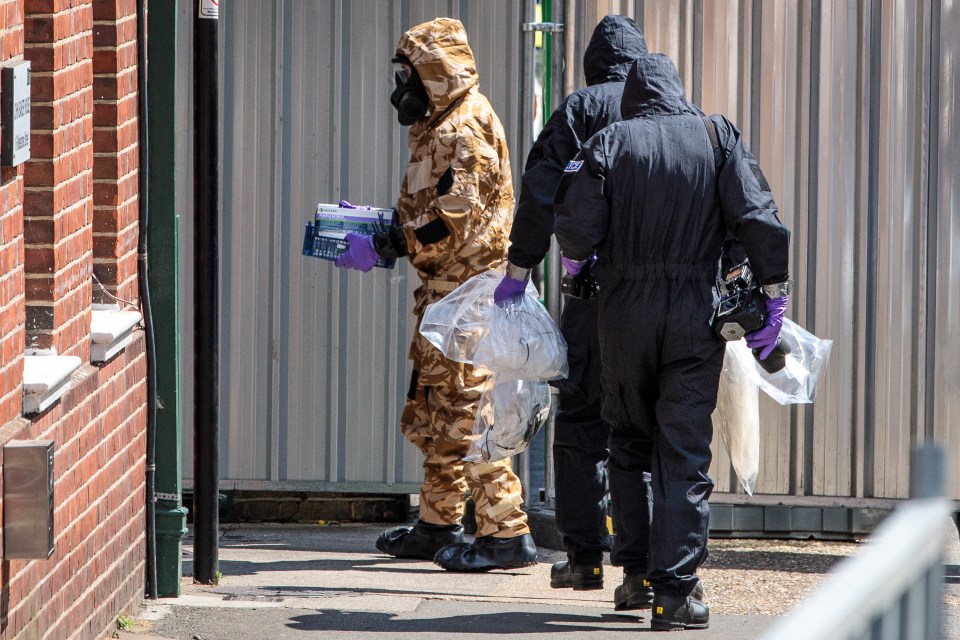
(360, 255)
(509, 290)
(573, 267)
(346, 205)
(765, 338)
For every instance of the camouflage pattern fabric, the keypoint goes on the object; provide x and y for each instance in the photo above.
(438, 420)
(463, 139)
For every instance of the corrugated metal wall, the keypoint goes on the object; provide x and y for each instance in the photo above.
(848, 105)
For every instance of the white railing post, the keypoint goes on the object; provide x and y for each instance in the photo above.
(894, 587)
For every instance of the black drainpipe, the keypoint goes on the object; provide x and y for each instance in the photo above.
(144, 281)
(206, 259)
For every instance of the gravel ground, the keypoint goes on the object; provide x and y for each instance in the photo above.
(767, 577)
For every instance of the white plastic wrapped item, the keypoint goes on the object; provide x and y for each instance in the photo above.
(737, 416)
(511, 413)
(796, 383)
(521, 339)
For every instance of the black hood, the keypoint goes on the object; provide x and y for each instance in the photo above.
(653, 86)
(616, 43)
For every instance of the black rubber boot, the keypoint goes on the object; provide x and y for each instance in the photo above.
(579, 577)
(634, 593)
(488, 553)
(676, 613)
(422, 540)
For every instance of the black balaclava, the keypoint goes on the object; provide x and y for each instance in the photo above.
(410, 98)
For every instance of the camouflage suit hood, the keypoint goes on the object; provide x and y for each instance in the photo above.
(458, 185)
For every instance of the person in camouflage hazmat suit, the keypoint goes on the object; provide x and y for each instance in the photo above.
(453, 218)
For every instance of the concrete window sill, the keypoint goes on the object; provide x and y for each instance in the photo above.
(110, 332)
(45, 379)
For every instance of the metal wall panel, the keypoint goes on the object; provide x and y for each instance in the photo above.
(942, 345)
(849, 107)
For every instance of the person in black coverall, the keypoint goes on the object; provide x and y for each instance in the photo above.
(651, 197)
(580, 438)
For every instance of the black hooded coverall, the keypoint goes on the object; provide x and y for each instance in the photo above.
(580, 437)
(647, 195)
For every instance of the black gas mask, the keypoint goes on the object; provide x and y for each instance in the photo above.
(410, 98)
(740, 310)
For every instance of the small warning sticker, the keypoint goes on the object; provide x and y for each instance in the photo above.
(210, 9)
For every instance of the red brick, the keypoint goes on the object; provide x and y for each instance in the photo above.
(115, 139)
(40, 174)
(38, 317)
(115, 166)
(111, 112)
(41, 86)
(115, 87)
(115, 34)
(38, 203)
(38, 28)
(113, 9)
(41, 117)
(110, 219)
(40, 230)
(12, 14)
(112, 60)
(43, 6)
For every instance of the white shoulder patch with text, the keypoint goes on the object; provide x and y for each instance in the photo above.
(573, 166)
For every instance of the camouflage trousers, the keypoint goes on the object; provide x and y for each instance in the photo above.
(438, 420)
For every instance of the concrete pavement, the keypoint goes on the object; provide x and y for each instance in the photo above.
(329, 581)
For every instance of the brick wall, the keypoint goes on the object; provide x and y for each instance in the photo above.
(97, 569)
(11, 244)
(58, 193)
(67, 215)
(115, 148)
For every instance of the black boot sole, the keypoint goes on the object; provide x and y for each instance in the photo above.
(405, 556)
(381, 547)
(582, 586)
(484, 569)
(634, 603)
(667, 625)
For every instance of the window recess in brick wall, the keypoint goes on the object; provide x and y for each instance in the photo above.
(58, 179)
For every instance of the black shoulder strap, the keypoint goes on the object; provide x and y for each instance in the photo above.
(712, 133)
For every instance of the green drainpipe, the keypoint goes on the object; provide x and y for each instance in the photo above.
(171, 517)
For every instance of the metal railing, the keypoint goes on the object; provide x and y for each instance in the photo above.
(894, 588)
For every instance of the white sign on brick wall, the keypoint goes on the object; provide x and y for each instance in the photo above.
(15, 116)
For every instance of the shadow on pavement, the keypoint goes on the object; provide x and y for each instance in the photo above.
(507, 622)
(386, 564)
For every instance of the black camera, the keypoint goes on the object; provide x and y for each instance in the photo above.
(741, 309)
(583, 285)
